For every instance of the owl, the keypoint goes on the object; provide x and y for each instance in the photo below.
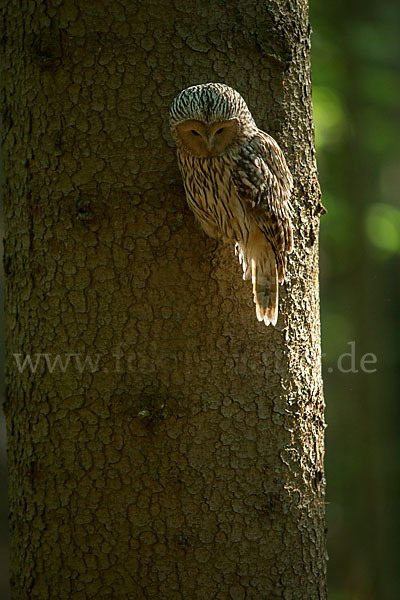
(237, 183)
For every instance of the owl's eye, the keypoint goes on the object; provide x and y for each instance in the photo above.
(219, 130)
(194, 132)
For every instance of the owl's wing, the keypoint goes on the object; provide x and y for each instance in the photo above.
(263, 180)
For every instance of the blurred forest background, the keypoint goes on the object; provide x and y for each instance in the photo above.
(356, 83)
(356, 93)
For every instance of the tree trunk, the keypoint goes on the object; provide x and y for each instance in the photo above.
(186, 460)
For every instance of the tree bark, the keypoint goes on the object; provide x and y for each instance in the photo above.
(187, 460)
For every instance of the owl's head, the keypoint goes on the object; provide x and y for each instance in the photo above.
(210, 119)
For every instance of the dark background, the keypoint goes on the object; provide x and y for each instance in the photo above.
(356, 82)
(356, 92)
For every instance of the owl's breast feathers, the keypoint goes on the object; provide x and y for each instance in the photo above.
(231, 192)
(212, 195)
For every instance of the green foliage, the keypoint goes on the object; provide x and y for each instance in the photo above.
(383, 227)
(329, 117)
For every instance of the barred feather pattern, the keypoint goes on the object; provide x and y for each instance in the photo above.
(241, 192)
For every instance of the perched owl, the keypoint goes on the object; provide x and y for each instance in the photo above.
(237, 183)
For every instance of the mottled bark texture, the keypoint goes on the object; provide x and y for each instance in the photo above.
(189, 464)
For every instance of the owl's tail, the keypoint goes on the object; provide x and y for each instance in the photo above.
(259, 262)
(265, 288)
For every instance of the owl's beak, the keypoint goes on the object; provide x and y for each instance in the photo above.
(210, 147)
(209, 141)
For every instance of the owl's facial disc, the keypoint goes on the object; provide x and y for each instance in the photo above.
(207, 139)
